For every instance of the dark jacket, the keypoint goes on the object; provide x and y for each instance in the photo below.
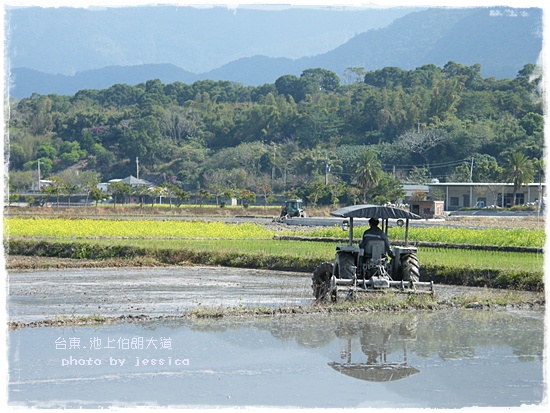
(378, 233)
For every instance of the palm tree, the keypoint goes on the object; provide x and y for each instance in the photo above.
(202, 194)
(56, 188)
(519, 171)
(89, 181)
(140, 191)
(119, 188)
(539, 166)
(368, 171)
(96, 194)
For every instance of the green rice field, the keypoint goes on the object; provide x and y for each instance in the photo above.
(83, 228)
(250, 244)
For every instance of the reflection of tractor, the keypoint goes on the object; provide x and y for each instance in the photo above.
(293, 208)
(367, 268)
(376, 341)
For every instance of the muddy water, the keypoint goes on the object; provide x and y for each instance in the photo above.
(427, 360)
(113, 292)
(110, 292)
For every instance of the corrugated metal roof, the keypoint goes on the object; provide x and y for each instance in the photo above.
(374, 211)
(132, 180)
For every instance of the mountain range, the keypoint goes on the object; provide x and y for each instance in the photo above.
(501, 39)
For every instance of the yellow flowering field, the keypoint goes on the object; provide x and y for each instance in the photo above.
(143, 228)
(484, 236)
(82, 228)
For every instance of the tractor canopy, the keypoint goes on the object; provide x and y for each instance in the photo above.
(375, 372)
(374, 211)
(293, 205)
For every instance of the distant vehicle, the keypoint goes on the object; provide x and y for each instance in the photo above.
(293, 208)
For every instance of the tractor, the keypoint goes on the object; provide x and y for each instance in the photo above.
(367, 268)
(293, 208)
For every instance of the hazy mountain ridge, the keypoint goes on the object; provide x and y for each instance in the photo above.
(28, 81)
(195, 39)
(501, 44)
(502, 40)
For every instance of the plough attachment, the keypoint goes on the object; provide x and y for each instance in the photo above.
(377, 284)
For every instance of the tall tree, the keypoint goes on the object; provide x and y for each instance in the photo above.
(97, 195)
(202, 195)
(519, 171)
(56, 188)
(354, 75)
(421, 143)
(88, 180)
(119, 189)
(539, 167)
(290, 85)
(368, 171)
(387, 190)
(320, 79)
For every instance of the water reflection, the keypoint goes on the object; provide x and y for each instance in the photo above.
(454, 335)
(438, 360)
(374, 339)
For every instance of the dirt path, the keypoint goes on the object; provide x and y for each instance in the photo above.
(527, 222)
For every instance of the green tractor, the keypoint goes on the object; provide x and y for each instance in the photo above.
(367, 268)
(293, 208)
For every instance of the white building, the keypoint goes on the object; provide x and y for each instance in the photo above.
(103, 186)
(43, 184)
(482, 194)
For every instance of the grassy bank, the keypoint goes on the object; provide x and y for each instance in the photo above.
(381, 302)
(461, 267)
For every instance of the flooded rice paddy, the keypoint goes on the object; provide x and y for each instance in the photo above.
(451, 359)
(446, 359)
(111, 292)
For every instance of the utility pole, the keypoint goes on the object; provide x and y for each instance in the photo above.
(472, 170)
(39, 175)
(327, 169)
(274, 156)
(137, 167)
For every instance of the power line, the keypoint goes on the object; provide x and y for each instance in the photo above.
(431, 165)
(408, 168)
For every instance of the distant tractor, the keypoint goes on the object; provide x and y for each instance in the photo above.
(293, 208)
(367, 268)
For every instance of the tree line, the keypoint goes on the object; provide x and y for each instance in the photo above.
(315, 135)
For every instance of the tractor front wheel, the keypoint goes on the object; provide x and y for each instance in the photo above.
(410, 268)
(321, 280)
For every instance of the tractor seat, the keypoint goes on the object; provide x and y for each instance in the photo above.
(375, 249)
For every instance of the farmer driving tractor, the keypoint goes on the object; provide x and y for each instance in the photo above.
(373, 233)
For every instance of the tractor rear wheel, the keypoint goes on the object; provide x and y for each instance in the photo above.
(321, 280)
(346, 266)
(410, 268)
